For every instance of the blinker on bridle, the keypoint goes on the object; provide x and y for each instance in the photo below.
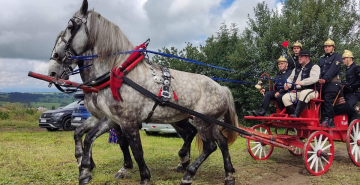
(69, 50)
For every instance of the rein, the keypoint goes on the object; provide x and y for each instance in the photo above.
(90, 57)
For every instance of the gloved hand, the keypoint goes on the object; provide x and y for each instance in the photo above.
(322, 81)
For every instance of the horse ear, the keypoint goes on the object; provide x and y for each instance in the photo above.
(84, 7)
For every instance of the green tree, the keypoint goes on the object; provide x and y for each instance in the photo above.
(256, 49)
(53, 107)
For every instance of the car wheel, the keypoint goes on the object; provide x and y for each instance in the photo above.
(67, 124)
(52, 129)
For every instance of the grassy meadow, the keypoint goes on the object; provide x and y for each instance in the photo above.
(31, 155)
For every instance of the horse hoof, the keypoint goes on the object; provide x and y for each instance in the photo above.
(119, 175)
(145, 182)
(85, 180)
(180, 169)
(230, 182)
(185, 182)
(123, 172)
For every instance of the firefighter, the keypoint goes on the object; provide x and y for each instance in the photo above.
(276, 94)
(343, 107)
(330, 64)
(304, 78)
(352, 83)
(293, 61)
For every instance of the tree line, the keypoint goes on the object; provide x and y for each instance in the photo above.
(256, 49)
(14, 97)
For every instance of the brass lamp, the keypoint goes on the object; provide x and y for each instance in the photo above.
(258, 85)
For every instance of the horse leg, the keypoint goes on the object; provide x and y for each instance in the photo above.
(103, 126)
(187, 131)
(209, 146)
(131, 132)
(124, 145)
(78, 134)
(221, 141)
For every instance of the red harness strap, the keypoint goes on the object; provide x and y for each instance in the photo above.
(117, 74)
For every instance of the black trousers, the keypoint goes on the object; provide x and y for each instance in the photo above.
(328, 108)
(270, 95)
(352, 99)
(345, 108)
(330, 90)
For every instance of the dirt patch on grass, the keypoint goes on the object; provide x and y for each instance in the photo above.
(284, 169)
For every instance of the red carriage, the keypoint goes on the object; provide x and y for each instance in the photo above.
(304, 137)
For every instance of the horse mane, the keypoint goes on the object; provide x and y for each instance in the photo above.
(108, 39)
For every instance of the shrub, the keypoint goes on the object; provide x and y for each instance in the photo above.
(19, 112)
(4, 115)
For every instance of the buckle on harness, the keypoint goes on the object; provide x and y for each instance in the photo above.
(166, 74)
(165, 94)
(68, 54)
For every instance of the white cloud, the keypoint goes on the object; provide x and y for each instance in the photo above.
(279, 7)
(28, 29)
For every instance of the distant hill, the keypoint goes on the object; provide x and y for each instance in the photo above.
(47, 100)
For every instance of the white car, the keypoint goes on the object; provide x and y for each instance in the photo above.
(154, 128)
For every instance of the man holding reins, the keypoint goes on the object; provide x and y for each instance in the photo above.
(279, 91)
(304, 77)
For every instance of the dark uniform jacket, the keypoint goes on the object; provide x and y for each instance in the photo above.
(330, 64)
(293, 62)
(352, 83)
(281, 77)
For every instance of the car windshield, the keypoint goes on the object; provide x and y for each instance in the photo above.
(72, 105)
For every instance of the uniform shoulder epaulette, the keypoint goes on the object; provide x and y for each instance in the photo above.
(322, 56)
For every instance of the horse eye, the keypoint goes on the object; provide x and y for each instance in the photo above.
(69, 26)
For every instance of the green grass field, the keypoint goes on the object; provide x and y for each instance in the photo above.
(31, 155)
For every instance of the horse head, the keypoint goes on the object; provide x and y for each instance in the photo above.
(88, 33)
(73, 41)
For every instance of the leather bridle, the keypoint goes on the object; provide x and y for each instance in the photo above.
(76, 25)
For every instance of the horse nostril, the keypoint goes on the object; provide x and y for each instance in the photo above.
(52, 74)
(56, 56)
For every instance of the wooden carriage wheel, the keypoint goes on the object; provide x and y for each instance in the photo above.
(257, 149)
(318, 153)
(353, 141)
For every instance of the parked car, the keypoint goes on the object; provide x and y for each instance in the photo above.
(79, 115)
(53, 120)
(155, 128)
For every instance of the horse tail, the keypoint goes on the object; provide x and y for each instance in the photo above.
(230, 117)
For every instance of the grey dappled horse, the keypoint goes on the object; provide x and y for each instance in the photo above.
(89, 33)
(102, 124)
